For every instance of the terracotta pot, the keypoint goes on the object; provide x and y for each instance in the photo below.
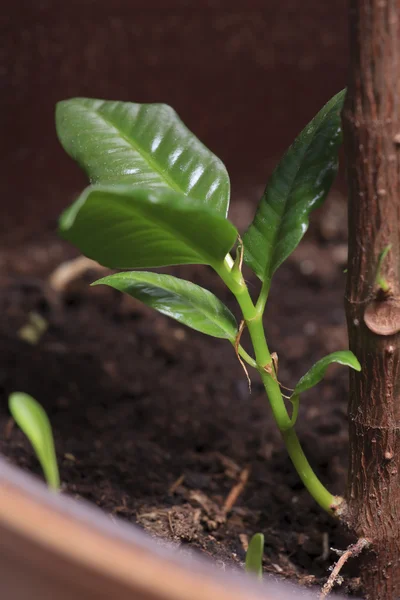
(55, 548)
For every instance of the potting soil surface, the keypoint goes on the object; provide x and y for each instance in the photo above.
(154, 422)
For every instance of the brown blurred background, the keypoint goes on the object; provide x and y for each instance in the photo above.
(244, 76)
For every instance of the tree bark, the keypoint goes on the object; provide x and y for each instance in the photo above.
(371, 123)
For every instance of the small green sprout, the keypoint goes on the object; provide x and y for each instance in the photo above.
(379, 280)
(254, 555)
(33, 421)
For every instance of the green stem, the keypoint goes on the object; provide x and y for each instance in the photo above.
(253, 318)
(275, 399)
(318, 491)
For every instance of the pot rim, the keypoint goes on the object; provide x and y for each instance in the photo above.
(86, 538)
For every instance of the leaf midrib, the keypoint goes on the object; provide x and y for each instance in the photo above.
(282, 219)
(144, 155)
(174, 233)
(266, 271)
(185, 299)
(143, 204)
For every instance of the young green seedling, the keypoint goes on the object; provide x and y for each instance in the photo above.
(379, 280)
(254, 555)
(159, 197)
(33, 421)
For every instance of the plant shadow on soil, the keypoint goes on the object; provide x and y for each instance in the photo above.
(154, 422)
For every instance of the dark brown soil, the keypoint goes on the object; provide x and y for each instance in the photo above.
(154, 422)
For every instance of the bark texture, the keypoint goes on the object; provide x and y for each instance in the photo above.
(371, 121)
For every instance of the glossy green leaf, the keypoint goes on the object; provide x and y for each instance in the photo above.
(141, 144)
(124, 227)
(298, 185)
(254, 555)
(186, 302)
(33, 421)
(317, 372)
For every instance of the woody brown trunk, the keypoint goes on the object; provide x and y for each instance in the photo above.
(371, 121)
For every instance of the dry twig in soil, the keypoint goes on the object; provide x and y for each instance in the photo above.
(351, 552)
(236, 490)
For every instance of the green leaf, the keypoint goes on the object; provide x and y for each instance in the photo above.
(317, 372)
(141, 144)
(298, 185)
(254, 555)
(186, 302)
(124, 227)
(33, 421)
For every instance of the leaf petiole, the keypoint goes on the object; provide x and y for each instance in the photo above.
(263, 297)
(295, 400)
(246, 356)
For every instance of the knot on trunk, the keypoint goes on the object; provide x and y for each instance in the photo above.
(382, 315)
